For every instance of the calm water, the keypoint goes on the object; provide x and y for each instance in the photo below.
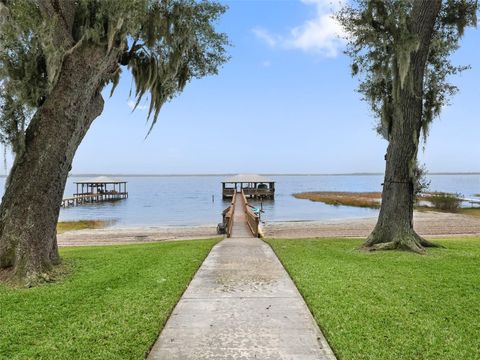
(187, 200)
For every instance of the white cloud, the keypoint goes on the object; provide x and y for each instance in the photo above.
(265, 36)
(266, 63)
(322, 34)
(131, 105)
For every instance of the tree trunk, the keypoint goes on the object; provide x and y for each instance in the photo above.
(394, 229)
(34, 190)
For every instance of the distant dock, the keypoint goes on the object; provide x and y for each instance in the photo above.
(253, 186)
(100, 189)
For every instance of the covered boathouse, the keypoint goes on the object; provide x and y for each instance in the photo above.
(98, 189)
(253, 186)
(102, 185)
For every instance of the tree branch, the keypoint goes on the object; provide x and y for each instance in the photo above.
(65, 13)
(128, 55)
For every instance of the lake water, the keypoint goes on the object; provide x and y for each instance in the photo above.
(187, 200)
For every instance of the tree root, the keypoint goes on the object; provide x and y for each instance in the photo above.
(32, 279)
(6, 274)
(426, 243)
(408, 240)
(381, 246)
(394, 245)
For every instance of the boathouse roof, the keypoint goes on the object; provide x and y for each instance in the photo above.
(248, 178)
(101, 180)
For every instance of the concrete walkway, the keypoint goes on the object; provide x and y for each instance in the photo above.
(241, 304)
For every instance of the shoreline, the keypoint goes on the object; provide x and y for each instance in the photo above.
(428, 224)
(135, 235)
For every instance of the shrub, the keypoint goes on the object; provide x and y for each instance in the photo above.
(445, 201)
(421, 182)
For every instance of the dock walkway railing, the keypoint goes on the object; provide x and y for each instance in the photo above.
(228, 216)
(253, 219)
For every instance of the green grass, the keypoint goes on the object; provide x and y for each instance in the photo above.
(390, 305)
(63, 226)
(112, 305)
(470, 211)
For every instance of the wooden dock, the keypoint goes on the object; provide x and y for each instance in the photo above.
(82, 199)
(239, 218)
(99, 189)
(253, 186)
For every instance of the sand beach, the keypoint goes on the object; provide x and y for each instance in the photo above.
(428, 224)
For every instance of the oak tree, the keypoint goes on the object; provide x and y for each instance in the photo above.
(401, 49)
(56, 57)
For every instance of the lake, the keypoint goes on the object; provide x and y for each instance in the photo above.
(187, 200)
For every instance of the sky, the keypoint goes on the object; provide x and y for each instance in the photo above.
(284, 103)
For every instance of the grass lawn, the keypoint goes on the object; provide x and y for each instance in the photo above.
(112, 305)
(390, 305)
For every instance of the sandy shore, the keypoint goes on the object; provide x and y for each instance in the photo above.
(116, 236)
(429, 224)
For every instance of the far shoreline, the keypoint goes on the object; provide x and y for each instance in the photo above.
(464, 173)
